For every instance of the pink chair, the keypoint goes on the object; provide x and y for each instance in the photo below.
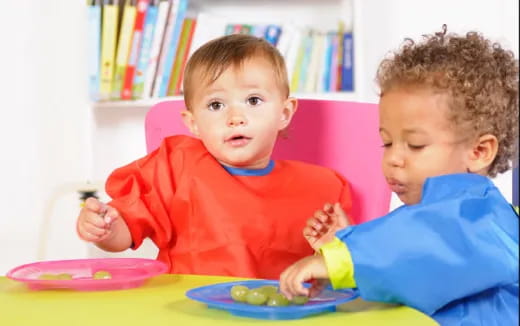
(340, 135)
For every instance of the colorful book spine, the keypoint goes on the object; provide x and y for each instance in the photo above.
(144, 52)
(333, 64)
(170, 48)
(272, 33)
(293, 50)
(178, 87)
(347, 64)
(182, 49)
(297, 70)
(155, 50)
(306, 60)
(327, 62)
(315, 64)
(167, 39)
(339, 67)
(94, 48)
(141, 8)
(108, 48)
(123, 47)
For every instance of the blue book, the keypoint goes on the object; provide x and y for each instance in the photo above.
(327, 63)
(94, 48)
(272, 34)
(171, 49)
(347, 63)
(144, 53)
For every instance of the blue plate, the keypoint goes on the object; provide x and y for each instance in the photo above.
(218, 296)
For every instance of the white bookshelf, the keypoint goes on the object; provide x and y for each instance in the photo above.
(323, 15)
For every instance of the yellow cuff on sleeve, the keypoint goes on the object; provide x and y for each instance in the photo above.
(339, 264)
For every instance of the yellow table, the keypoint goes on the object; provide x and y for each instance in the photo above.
(161, 301)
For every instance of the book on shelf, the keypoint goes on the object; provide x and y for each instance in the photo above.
(145, 45)
(272, 34)
(181, 56)
(123, 47)
(94, 47)
(155, 49)
(109, 33)
(144, 52)
(135, 47)
(316, 62)
(347, 63)
(169, 48)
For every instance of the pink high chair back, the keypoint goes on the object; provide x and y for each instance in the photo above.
(340, 135)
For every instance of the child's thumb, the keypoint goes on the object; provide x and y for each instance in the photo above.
(343, 220)
(94, 205)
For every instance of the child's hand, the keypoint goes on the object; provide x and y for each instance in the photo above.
(311, 269)
(322, 227)
(95, 220)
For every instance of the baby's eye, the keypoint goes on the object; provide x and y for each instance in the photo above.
(215, 106)
(254, 100)
(386, 145)
(416, 147)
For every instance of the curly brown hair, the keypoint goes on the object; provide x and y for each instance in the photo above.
(479, 77)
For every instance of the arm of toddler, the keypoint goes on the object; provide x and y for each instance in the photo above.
(103, 226)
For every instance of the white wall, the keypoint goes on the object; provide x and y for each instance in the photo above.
(42, 130)
(52, 139)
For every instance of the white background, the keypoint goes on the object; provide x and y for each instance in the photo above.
(53, 140)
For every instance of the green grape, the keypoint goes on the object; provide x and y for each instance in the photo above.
(239, 293)
(256, 297)
(277, 300)
(102, 275)
(268, 289)
(47, 277)
(64, 276)
(300, 300)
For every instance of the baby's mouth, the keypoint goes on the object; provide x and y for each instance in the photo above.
(238, 140)
(396, 186)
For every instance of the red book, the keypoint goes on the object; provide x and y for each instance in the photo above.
(126, 92)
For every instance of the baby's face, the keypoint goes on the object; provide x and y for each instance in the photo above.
(419, 141)
(238, 116)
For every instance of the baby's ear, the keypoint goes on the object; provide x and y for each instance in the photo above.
(189, 121)
(289, 109)
(482, 154)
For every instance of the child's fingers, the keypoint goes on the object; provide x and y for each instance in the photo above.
(315, 223)
(94, 205)
(111, 215)
(95, 220)
(291, 283)
(342, 218)
(309, 232)
(321, 216)
(328, 208)
(91, 233)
